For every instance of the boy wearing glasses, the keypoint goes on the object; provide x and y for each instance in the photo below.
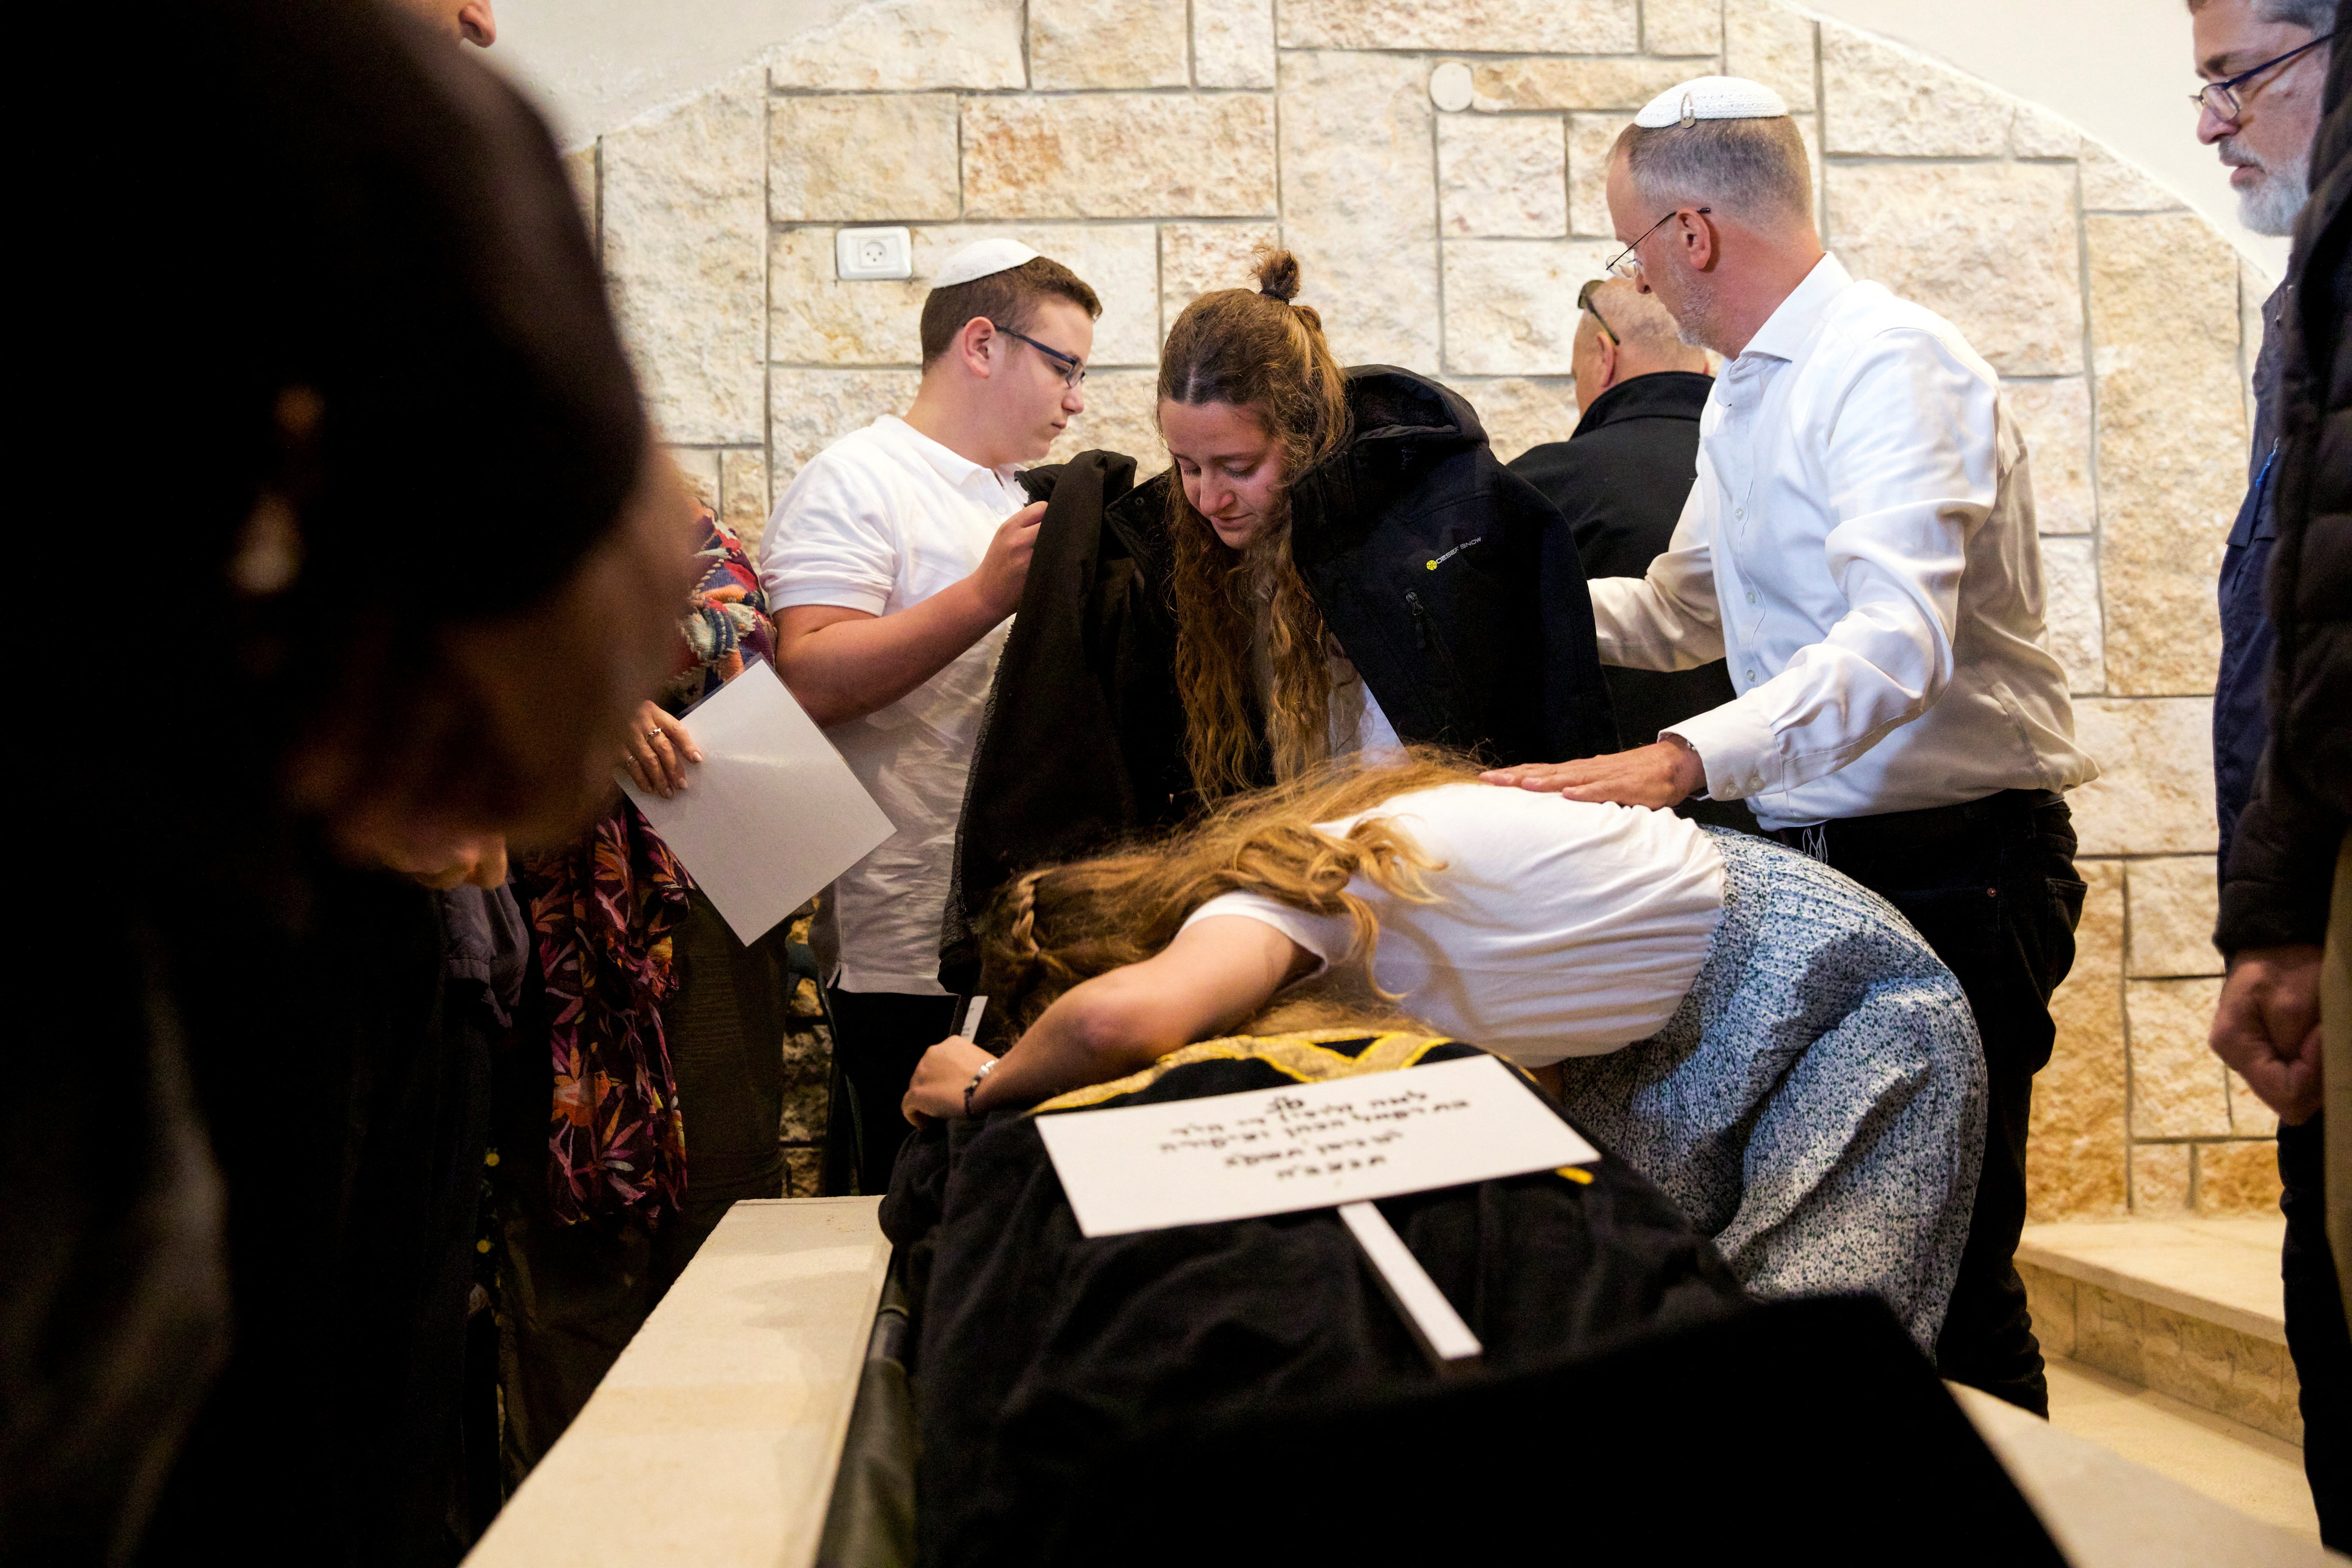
(894, 562)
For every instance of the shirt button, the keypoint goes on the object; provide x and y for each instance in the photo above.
(1752, 677)
(1738, 514)
(1751, 595)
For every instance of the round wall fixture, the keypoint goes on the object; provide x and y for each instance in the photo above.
(1449, 86)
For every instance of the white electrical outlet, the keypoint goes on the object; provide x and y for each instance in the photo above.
(862, 253)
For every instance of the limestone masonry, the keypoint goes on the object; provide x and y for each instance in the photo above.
(1151, 143)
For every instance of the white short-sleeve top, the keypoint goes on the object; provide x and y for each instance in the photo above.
(881, 519)
(1560, 929)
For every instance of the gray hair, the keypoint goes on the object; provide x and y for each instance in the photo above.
(1641, 323)
(1749, 168)
(2314, 17)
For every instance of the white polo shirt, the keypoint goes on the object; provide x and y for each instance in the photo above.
(1557, 928)
(1860, 546)
(883, 519)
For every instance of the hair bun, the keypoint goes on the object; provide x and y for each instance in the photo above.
(1277, 275)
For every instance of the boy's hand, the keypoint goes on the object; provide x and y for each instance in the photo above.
(1004, 570)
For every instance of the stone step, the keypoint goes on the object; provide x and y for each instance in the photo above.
(2190, 1308)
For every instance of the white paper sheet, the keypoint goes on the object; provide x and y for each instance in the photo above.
(1235, 1156)
(770, 814)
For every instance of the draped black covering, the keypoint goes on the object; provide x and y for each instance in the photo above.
(1035, 1350)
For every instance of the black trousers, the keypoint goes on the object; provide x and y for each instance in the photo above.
(1992, 886)
(2316, 1335)
(878, 1037)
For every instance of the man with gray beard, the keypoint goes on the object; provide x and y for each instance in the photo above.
(2266, 64)
(2263, 62)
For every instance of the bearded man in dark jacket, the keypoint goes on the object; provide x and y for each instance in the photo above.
(2285, 1016)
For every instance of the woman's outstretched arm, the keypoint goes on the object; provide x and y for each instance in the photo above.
(1213, 975)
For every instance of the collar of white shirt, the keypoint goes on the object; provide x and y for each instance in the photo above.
(950, 465)
(1787, 330)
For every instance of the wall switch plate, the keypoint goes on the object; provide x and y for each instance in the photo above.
(862, 253)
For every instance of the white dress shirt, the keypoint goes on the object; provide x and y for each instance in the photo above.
(1860, 546)
(1557, 929)
(883, 519)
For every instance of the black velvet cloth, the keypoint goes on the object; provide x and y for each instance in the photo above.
(1812, 1427)
(1082, 742)
(1036, 1350)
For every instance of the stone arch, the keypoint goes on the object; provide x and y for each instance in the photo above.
(1151, 143)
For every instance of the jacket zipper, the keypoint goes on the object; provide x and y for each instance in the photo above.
(1419, 619)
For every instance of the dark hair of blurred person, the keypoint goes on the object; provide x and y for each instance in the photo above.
(347, 552)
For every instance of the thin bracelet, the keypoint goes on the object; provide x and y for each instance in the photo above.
(985, 1068)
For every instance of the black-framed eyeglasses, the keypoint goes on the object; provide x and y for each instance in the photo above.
(2220, 98)
(1073, 369)
(1628, 265)
(1584, 303)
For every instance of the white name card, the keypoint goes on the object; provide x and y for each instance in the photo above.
(1303, 1146)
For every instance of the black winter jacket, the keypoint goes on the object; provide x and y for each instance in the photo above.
(2275, 888)
(1451, 583)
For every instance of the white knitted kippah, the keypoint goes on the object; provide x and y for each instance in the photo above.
(979, 258)
(1711, 98)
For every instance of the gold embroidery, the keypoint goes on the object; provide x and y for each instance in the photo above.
(1302, 1055)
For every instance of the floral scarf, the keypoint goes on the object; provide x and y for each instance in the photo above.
(602, 911)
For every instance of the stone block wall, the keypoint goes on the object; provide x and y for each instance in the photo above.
(1151, 143)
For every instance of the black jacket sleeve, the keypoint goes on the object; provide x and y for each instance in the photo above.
(1082, 731)
(2282, 865)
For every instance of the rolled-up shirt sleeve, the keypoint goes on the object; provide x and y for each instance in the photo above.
(1911, 466)
(830, 543)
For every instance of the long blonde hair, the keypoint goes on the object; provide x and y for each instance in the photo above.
(1055, 927)
(1256, 351)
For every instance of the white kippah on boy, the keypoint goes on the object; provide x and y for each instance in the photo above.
(893, 572)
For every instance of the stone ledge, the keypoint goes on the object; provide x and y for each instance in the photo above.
(2108, 1512)
(715, 1438)
(2188, 1307)
(2225, 1271)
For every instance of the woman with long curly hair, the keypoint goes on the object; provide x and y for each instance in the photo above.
(1348, 563)
(1749, 1028)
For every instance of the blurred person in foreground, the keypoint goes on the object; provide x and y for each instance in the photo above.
(1621, 479)
(406, 565)
(2284, 1021)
